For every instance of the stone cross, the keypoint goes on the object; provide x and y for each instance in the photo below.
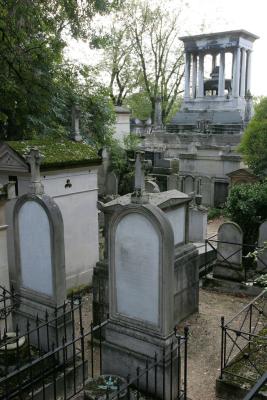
(34, 158)
(139, 179)
(76, 112)
(158, 114)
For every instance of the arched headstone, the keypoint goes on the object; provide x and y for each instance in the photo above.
(188, 184)
(262, 255)
(151, 187)
(40, 265)
(141, 276)
(229, 252)
(39, 245)
(205, 190)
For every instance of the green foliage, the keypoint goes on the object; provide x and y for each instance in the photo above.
(63, 152)
(120, 163)
(214, 213)
(37, 87)
(254, 141)
(144, 57)
(261, 281)
(246, 205)
(131, 142)
(140, 105)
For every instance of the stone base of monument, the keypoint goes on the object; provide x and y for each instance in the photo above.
(227, 286)
(46, 331)
(226, 390)
(126, 350)
(47, 391)
(186, 281)
(232, 272)
(100, 292)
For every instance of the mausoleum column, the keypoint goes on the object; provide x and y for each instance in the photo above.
(248, 77)
(236, 72)
(243, 72)
(201, 76)
(194, 77)
(214, 56)
(222, 75)
(187, 75)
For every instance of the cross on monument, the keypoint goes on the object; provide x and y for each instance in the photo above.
(34, 158)
(139, 195)
(75, 116)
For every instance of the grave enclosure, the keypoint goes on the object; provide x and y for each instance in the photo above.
(153, 278)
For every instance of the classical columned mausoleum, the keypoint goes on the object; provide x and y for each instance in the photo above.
(204, 135)
(238, 44)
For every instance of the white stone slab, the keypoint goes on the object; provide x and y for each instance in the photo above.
(35, 248)
(177, 220)
(137, 268)
(229, 249)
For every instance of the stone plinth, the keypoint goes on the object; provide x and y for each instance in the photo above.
(198, 220)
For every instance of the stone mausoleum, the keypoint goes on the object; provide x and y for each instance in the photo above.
(217, 106)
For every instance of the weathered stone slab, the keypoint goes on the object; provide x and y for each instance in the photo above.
(112, 183)
(229, 252)
(188, 184)
(262, 256)
(198, 220)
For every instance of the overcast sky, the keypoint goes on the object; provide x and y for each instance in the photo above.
(219, 15)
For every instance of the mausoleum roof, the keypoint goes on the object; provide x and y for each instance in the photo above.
(214, 117)
(215, 35)
(65, 153)
(162, 200)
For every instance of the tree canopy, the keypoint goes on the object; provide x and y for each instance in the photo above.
(246, 205)
(143, 54)
(37, 85)
(254, 141)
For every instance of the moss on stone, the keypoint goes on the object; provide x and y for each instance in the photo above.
(58, 154)
(241, 371)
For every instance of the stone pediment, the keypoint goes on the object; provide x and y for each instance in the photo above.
(10, 161)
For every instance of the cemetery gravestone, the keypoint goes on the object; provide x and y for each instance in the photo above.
(141, 290)
(151, 187)
(172, 182)
(39, 255)
(229, 253)
(150, 290)
(198, 220)
(205, 190)
(262, 256)
(188, 184)
(111, 184)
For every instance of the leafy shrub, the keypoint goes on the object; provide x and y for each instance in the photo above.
(120, 163)
(214, 213)
(247, 206)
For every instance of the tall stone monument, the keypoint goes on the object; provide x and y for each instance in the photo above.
(149, 289)
(39, 252)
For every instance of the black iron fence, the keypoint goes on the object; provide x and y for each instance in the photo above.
(244, 342)
(253, 264)
(60, 353)
(257, 387)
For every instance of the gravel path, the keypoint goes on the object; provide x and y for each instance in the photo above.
(205, 340)
(205, 334)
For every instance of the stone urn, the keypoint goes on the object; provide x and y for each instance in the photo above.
(10, 346)
(105, 385)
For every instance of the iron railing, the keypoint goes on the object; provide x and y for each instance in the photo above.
(244, 342)
(250, 271)
(256, 388)
(54, 357)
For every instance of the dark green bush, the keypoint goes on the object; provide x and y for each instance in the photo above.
(247, 206)
(214, 213)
